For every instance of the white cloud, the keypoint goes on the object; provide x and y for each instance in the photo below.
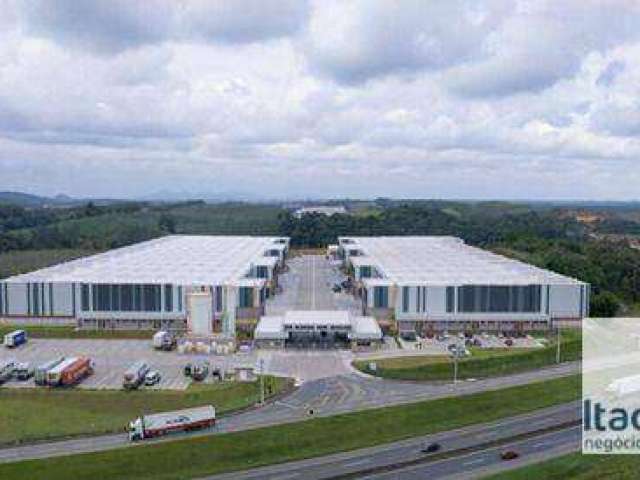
(464, 99)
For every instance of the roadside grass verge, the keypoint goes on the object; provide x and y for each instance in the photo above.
(69, 331)
(576, 466)
(482, 363)
(195, 457)
(30, 414)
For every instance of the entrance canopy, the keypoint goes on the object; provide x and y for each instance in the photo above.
(301, 322)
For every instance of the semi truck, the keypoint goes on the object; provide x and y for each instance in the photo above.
(164, 340)
(159, 424)
(134, 376)
(7, 368)
(40, 376)
(15, 338)
(69, 371)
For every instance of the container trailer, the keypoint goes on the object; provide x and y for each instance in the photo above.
(164, 340)
(40, 376)
(15, 338)
(159, 424)
(70, 371)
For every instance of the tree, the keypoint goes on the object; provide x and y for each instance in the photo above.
(167, 223)
(604, 304)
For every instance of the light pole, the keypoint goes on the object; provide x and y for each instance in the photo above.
(456, 354)
(262, 381)
(558, 346)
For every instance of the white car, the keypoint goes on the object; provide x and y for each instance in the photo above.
(152, 377)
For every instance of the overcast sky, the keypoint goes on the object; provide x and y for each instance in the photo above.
(274, 99)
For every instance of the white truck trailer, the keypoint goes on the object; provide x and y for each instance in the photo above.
(159, 424)
(164, 340)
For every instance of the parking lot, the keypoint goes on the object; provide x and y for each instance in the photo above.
(112, 357)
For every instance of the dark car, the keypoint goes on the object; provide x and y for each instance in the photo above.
(509, 455)
(187, 370)
(430, 447)
(336, 288)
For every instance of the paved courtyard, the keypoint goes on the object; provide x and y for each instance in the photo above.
(307, 286)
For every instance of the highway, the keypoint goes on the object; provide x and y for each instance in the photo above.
(326, 396)
(463, 451)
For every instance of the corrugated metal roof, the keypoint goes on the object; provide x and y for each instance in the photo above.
(176, 259)
(446, 261)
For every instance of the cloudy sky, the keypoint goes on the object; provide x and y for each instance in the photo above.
(275, 99)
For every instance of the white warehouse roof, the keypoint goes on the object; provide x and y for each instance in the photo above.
(176, 259)
(445, 261)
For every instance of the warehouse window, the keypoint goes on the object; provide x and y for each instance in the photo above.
(451, 299)
(365, 271)
(499, 299)
(380, 297)
(168, 298)
(151, 301)
(405, 299)
(36, 299)
(262, 271)
(84, 297)
(126, 298)
(218, 299)
(246, 297)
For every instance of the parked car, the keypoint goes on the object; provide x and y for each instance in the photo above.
(509, 455)
(508, 342)
(200, 371)
(430, 447)
(23, 371)
(188, 369)
(336, 288)
(152, 377)
(408, 336)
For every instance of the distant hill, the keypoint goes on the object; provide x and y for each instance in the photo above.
(24, 199)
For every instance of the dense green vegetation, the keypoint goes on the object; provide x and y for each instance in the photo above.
(39, 413)
(320, 436)
(578, 467)
(482, 363)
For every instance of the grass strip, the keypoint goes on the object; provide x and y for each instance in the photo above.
(32, 414)
(576, 466)
(201, 456)
(482, 364)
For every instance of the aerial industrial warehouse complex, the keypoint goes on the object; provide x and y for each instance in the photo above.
(147, 285)
(441, 283)
(423, 283)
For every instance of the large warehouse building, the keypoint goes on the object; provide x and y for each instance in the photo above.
(148, 285)
(440, 283)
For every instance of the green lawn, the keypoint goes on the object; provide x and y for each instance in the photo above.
(40, 413)
(189, 458)
(578, 467)
(482, 362)
(65, 331)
